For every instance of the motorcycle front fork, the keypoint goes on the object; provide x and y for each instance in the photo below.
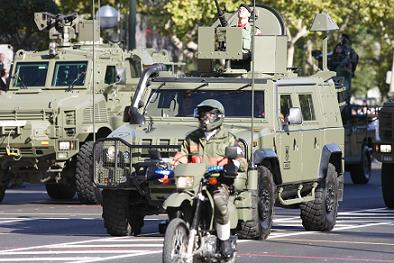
(193, 228)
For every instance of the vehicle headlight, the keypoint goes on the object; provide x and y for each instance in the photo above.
(385, 148)
(67, 145)
(126, 157)
(64, 145)
(184, 181)
(111, 153)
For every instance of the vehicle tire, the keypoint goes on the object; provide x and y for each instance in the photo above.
(60, 191)
(361, 172)
(321, 213)
(117, 214)
(136, 219)
(2, 191)
(5, 177)
(175, 241)
(388, 184)
(86, 190)
(260, 226)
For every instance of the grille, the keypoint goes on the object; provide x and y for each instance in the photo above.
(25, 115)
(101, 113)
(116, 162)
(386, 123)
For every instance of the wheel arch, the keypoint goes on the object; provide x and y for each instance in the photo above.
(102, 132)
(332, 154)
(269, 159)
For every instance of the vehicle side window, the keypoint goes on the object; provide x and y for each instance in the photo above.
(110, 75)
(306, 103)
(285, 104)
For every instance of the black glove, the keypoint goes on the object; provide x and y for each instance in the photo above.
(230, 169)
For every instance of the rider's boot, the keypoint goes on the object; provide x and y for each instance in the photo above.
(226, 249)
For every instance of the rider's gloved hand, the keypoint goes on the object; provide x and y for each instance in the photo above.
(231, 168)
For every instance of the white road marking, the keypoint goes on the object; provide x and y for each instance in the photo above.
(47, 259)
(58, 252)
(117, 257)
(127, 247)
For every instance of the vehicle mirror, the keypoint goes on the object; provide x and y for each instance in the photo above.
(135, 116)
(120, 76)
(154, 154)
(126, 114)
(232, 152)
(295, 116)
(388, 76)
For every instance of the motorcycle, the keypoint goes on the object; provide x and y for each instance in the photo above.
(190, 235)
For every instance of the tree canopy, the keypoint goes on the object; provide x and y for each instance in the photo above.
(370, 23)
(17, 25)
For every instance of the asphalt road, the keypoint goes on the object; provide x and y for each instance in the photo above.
(35, 229)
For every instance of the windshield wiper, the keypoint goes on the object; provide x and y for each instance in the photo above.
(22, 84)
(151, 95)
(71, 86)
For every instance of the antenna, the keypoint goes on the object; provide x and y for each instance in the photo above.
(252, 165)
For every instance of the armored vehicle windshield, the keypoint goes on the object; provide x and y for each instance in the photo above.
(182, 102)
(30, 74)
(68, 73)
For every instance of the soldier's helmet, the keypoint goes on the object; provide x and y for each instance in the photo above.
(210, 114)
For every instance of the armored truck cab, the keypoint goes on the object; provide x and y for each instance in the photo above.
(58, 100)
(360, 135)
(383, 150)
(289, 126)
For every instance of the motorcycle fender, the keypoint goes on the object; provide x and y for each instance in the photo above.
(176, 200)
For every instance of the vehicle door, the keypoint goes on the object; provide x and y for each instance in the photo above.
(288, 138)
(310, 133)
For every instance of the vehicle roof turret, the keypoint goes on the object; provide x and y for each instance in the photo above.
(67, 29)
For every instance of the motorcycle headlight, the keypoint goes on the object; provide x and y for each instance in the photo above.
(184, 181)
(111, 153)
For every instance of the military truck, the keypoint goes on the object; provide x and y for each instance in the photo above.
(59, 100)
(359, 138)
(289, 126)
(383, 148)
(359, 131)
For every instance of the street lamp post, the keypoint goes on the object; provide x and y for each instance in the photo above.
(132, 23)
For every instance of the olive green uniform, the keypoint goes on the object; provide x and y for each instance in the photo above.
(213, 153)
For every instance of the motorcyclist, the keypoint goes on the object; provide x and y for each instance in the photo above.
(207, 144)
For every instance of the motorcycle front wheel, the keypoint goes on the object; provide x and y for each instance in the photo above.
(175, 241)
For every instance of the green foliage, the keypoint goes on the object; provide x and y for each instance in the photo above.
(370, 23)
(17, 25)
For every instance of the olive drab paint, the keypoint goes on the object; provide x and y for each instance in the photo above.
(297, 154)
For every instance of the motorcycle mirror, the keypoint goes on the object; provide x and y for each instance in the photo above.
(231, 152)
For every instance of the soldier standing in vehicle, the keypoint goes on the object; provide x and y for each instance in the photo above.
(207, 144)
(344, 61)
(244, 14)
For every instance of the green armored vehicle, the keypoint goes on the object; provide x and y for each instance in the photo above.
(295, 155)
(359, 138)
(49, 117)
(383, 148)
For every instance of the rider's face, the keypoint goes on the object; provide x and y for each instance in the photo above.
(209, 115)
